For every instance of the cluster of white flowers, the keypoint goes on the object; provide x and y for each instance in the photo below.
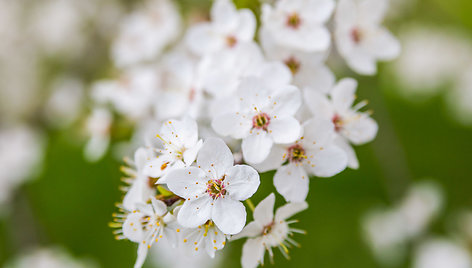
(231, 107)
(53, 257)
(393, 231)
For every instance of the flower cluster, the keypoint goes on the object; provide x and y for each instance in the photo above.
(231, 108)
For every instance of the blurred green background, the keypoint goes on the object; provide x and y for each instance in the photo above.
(71, 202)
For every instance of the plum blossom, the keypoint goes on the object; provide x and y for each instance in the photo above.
(98, 127)
(181, 145)
(148, 224)
(351, 125)
(299, 24)
(229, 28)
(360, 38)
(314, 153)
(213, 190)
(207, 237)
(264, 116)
(442, 253)
(268, 231)
(145, 32)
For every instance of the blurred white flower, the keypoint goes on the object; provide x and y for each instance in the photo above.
(431, 59)
(299, 24)
(214, 189)
(441, 253)
(206, 237)
(459, 99)
(132, 95)
(229, 28)
(360, 39)
(98, 128)
(146, 32)
(49, 258)
(351, 125)
(21, 152)
(64, 104)
(268, 231)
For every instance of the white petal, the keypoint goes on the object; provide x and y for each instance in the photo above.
(232, 124)
(316, 132)
(190, 155)
(138, 193)
(346, 13)
(251, 230)
(141, 156)
(195, 212)
(247, 25)
(360, 131)
(187, 182)
(215, 157)
(200, 38)
(373, 11)
(288, 210)
(284, 130)
(361, 62)
(352, 161)
(229, 215)
(253, 253)
(327, 161)
(319, 78)
(160, 208)
(318, 104)
(132, 227)
(343, 94)
(292, 182)
(383, 45)
(274, 160)
(142, 254)
(286, 101)
(264, 211)
(256, 147)
(157, 166)
(241, 182)
(180, 132)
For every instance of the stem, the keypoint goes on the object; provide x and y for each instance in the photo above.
(250, 204)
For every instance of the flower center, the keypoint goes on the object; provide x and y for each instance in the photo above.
(294, 21)
(293, 64)
(267, 229)
(216, 188)
(296, 154)
(356, 35)
(261, 121)
(231, 41)
(338, 122)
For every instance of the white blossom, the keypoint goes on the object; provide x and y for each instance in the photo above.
(360, 38)
(351, 125)
(268, 231)
(442, 253)
(299, 24)
(264, 116)
(98, 127)
(228, 28)
(181, 144)
(213, 190)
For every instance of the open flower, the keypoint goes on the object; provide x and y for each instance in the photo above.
(214, 189)
(313, 153)
(229, 27)
(299, 24)
(205, 237)
(147, 225)
(268, 231)
(181, 145)
(351, 125)
(265, 116)
(360, 38)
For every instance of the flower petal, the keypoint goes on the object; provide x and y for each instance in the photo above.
(343, 94)
(142, 254)
(264, 211)
(186, 182)
(327, 161)
(284, 130)
(288, 210)
(160, 208)
(232, 124)
(253, 253)
(274, 160)
(132, 227)
(251, 230)
(215, 157)
(256, 147)
(360, 131)
(286, 101)
(291, 181)
(352, 161)
(229, 215)
(241, 182)
(195, 212)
